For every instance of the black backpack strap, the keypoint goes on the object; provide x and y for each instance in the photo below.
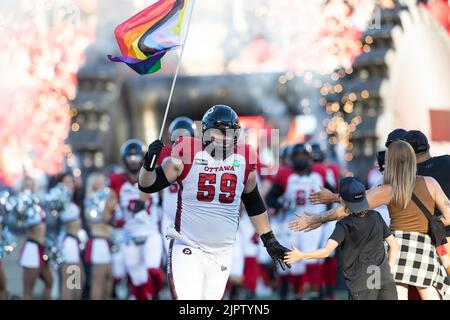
(422, 207)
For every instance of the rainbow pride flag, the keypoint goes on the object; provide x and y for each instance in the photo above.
(147, 36)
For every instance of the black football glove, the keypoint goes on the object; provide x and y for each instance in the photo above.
(275, 249)
(154, 150)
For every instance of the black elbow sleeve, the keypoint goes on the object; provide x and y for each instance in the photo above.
(159, 184)
(253, 203)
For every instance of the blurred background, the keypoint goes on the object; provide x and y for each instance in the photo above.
(341, 73)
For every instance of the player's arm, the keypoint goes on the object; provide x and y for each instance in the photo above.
(308, 221)
(255, 206)
(256, 209)
(296, 255)
(266, 185)
(151, 181)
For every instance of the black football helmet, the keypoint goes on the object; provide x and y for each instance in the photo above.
(302, 148)
(221, 128)
(301, 157)
(181, 126)
(317, 153)
(132, 153)
(285, 153)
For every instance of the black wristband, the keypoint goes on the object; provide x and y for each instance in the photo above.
(253, 202)
(159, 184)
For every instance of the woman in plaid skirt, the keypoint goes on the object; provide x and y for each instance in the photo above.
(418, 263)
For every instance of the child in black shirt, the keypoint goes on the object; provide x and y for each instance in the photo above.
(361, 236)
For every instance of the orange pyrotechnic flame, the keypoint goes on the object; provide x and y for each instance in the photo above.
(37, 80)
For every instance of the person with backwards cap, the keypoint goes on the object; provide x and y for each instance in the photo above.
(361, 236)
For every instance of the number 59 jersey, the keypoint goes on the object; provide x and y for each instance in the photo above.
(210, 192)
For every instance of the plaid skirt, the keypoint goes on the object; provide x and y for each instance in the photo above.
(418, 263)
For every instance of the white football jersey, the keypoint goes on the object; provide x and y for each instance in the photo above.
(210, 194)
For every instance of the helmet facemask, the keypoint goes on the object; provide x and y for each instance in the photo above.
(132, 154)
(220, 142)
(133, 162)
(301, 162)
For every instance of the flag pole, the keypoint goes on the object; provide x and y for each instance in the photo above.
(152, 164)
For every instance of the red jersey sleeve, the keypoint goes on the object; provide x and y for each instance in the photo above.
(116, 180)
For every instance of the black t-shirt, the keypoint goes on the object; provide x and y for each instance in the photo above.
(439, 169)
(362, 242)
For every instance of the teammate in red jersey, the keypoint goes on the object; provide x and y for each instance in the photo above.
(293, 186)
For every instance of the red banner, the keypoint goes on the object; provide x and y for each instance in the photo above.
(440, 120)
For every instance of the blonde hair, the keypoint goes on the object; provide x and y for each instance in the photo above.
(400, 172)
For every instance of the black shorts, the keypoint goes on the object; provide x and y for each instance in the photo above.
(387, 291)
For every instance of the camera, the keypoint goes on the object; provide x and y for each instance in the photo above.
(380, 159)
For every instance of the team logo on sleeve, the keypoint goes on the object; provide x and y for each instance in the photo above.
(223, 268)
(187, 251)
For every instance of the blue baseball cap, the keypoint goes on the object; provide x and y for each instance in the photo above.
(353, 193)
(417, 140)
(395, 135)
